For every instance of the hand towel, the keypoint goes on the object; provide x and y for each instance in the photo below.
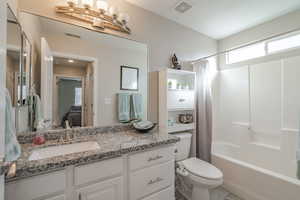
(124, 107)
(137, 107)
(37, 111)
(12, 146)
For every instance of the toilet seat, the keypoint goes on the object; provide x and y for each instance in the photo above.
(200, 168)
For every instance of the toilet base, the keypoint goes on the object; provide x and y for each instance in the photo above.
(200, 193)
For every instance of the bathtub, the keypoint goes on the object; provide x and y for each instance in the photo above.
(250, 181)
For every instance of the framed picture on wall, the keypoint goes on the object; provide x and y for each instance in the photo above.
(129, 78)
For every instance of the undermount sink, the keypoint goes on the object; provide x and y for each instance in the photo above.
(49, 152)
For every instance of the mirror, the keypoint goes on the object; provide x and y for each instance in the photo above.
(80, 77)
(26, 69)
(18, 71)
(13, 59)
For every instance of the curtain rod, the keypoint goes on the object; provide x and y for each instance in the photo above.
(245, 45)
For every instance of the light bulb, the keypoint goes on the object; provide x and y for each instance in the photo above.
(102, 5)
(87, 3)
(124, 18)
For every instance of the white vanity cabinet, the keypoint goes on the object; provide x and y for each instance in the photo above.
(50, 186)
(147, 175)
(152, 172)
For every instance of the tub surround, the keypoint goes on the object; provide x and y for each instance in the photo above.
(114, 141)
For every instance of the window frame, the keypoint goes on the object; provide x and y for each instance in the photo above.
(266, 48)
(288, 35)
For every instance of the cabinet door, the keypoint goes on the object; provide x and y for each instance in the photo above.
(107, 190)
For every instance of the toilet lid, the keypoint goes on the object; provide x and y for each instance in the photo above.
(201, 168)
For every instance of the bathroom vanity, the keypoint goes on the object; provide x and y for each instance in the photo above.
(125, 165)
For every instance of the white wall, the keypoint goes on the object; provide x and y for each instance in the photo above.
(162, 36)
(288, 22)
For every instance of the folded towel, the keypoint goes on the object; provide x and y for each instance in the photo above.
(37, 111)
(12, 146)
(137, 110)
(124, 107)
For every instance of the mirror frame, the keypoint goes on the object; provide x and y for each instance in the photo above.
(122, 69)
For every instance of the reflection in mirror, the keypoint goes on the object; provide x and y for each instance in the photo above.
(26, 69)
(73, 92)
(80, 77)
(13, 59)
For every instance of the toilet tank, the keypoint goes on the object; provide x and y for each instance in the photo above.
(183, 146)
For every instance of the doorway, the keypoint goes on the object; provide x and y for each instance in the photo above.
(73, 92)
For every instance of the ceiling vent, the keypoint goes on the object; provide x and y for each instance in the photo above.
(73, 35)
(182, 7)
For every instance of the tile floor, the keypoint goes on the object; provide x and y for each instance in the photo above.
(217, 194)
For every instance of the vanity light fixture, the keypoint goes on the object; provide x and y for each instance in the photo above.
(71, 61)
(97, 13)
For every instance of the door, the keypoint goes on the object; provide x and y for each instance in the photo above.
(107, 190)
(47, 80)
(3, 12)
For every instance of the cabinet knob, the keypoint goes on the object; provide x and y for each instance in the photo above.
(158, 179)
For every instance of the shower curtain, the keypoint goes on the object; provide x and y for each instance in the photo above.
(203, 111)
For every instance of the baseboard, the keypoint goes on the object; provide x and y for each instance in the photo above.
(242, 192)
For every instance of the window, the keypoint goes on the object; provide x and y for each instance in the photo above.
(246, 53)
(283, 43)
(78, 96)
(264, 48)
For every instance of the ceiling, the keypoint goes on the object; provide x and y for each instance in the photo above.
(220, 18)
(65, 62)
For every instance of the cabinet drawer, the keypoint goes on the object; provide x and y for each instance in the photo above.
(100, 170)
(181, 99)
(36, 187)
(152, 179)
(166, 194)
(149, 158)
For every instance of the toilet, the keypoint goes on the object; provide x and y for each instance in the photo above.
(201, 175)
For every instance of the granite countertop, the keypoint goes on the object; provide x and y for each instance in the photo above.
(112, 144)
